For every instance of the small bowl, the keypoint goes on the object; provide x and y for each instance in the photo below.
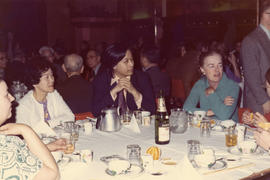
(247, 147)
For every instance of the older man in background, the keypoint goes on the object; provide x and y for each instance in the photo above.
(76, 91)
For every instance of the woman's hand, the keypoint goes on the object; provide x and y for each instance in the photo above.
(210, 113)
(57, 145)
(209, 90)
(259, 118)
(228, 101)
(262, 139)
(14, 129)
(247, 119)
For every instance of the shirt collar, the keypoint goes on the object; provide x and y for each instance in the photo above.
(265, 30)
(97, 68)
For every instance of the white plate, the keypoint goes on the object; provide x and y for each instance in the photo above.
(236, 151)
(219, 165)
(133, 171)
(107, 159)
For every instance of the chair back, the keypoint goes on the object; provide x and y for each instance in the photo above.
(82, 116)
(178, 90)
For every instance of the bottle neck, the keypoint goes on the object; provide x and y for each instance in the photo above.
(161, 106)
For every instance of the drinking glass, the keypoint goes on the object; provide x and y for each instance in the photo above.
(205, 128)
(194, 148)
(75, 132)
(231, 137)
(134, 154)
(70, 143)
(126, 117)
(138, 116)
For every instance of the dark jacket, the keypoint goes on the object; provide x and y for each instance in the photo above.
(77, 93)
(102, 97)
(160, 80)
(255, 54)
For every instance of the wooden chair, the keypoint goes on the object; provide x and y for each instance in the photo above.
(82, 116)
(178, 90)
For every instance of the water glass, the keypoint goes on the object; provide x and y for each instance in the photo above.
(138, 116)
(70, 143)
(75, 132)
(126, 117)
(194, 148)
(205, 128)
(134, 154)
(231, 137)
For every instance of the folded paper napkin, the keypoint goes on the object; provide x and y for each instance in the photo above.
(187, 171)
(133, 125)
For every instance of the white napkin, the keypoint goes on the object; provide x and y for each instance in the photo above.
(43, 128)
(133, 125)
(187, 171)
(75, 171)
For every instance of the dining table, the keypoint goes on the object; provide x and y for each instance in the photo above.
(104, 144)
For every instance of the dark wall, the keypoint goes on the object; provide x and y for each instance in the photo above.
(27, 21)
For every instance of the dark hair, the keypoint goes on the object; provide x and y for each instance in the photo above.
(267, 76)
(95, 50)
(115, 53)
(210, 52)
(152, 54)
(35, 68)
(264, 5)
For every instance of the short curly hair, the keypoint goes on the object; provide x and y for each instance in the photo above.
(35, 68)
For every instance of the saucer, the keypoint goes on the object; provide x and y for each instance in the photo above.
(107, 159)
(133, 171)
(236, 151)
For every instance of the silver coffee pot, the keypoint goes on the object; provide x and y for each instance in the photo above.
(110, 120)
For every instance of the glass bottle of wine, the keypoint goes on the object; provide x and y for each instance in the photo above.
(162, 125)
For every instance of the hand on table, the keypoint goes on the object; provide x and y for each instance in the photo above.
(210, 113)
(57, 145)
(228, 101)
(262, 139)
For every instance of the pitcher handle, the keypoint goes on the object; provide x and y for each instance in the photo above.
(118, 110)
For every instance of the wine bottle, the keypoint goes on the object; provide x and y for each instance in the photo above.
(162, 125)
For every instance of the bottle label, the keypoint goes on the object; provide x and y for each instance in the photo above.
(161, 107)
(164, 134)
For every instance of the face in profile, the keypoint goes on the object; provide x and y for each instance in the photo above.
(92, 59)
(213, 68)
(5, 102)
(125, 67)
(46, 83)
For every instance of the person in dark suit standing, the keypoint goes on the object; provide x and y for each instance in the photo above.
(150, 58)
(255, 54)
(76, 91)
(121, 84)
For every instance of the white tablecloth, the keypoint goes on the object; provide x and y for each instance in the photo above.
(106, 144)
